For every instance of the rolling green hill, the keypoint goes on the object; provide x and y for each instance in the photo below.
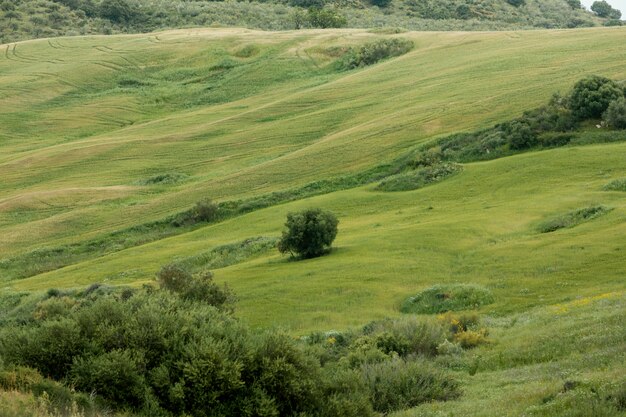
(102, 134)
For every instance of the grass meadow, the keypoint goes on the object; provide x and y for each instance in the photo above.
(99, 134)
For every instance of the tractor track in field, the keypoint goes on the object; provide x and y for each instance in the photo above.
(42, 75)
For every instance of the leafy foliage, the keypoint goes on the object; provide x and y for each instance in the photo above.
(373, 52)
(616, 185)
(572, 218)
(201, 288)
(399, 384)
(442, 298)
(419, 178)
(604, 9)
(551, 125)
(615, 114)
(325, 18)
(46, 18)
(156, 352)
(309, 233)
(592, 95)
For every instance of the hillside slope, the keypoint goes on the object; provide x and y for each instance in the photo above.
(102, 134)
(86, 121)
(28, 19)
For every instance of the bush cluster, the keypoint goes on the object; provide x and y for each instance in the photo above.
(419, 178)
(551, 125)
(443, 298)
(160, 352)
(572, 218)
(373, 52)
(616, 185)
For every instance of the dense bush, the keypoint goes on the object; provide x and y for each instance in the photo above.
(615, 114)
(153, 352)
(572, 218)
(400, 384)
(203, 211)
(442, 298)
(604, 9)
(373, 52)
(551, 125)
(309, 233)
(574, 4)
(519, 134)
(118, 11)
(616, 185)
(516, 3)
(592, 95)
(381, 3)
(325, 18)
(201, 288)
(419, 178)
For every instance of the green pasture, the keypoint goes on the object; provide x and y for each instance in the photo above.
(99, 134)
(240, 113)
(477, 227)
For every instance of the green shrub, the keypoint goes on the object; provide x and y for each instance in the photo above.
(420, 178)
(247, 51)
(572, 218)
(555, 140)
(60, 400)
(54, 308)
(164, 179)
(153, 352)
(381, 3)
(516, 3)
(616, 185)
(574, 4)
(469, 339)
(374, 52)
(579, 400)
(49, 347)
(398, 384)
(345, 394)
(204, 211)
(407, 336)
(200, 288)
(604, 9)
(309, 233)
(519, 135)
(325, 18)
(592, 95)
(615, 114)
(226, 255)
(116, 376)
(19, 378)
(443, 298)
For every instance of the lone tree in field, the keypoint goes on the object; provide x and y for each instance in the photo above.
(309, 233)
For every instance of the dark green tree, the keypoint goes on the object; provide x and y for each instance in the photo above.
(574, 4)
(591, 96)
(326, 18)
(381, 3)
(604, 9)
(615, 114)
(118, 11)
(309, 233)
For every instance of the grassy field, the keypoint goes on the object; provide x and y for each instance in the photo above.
(92, 117)
(86, 124)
